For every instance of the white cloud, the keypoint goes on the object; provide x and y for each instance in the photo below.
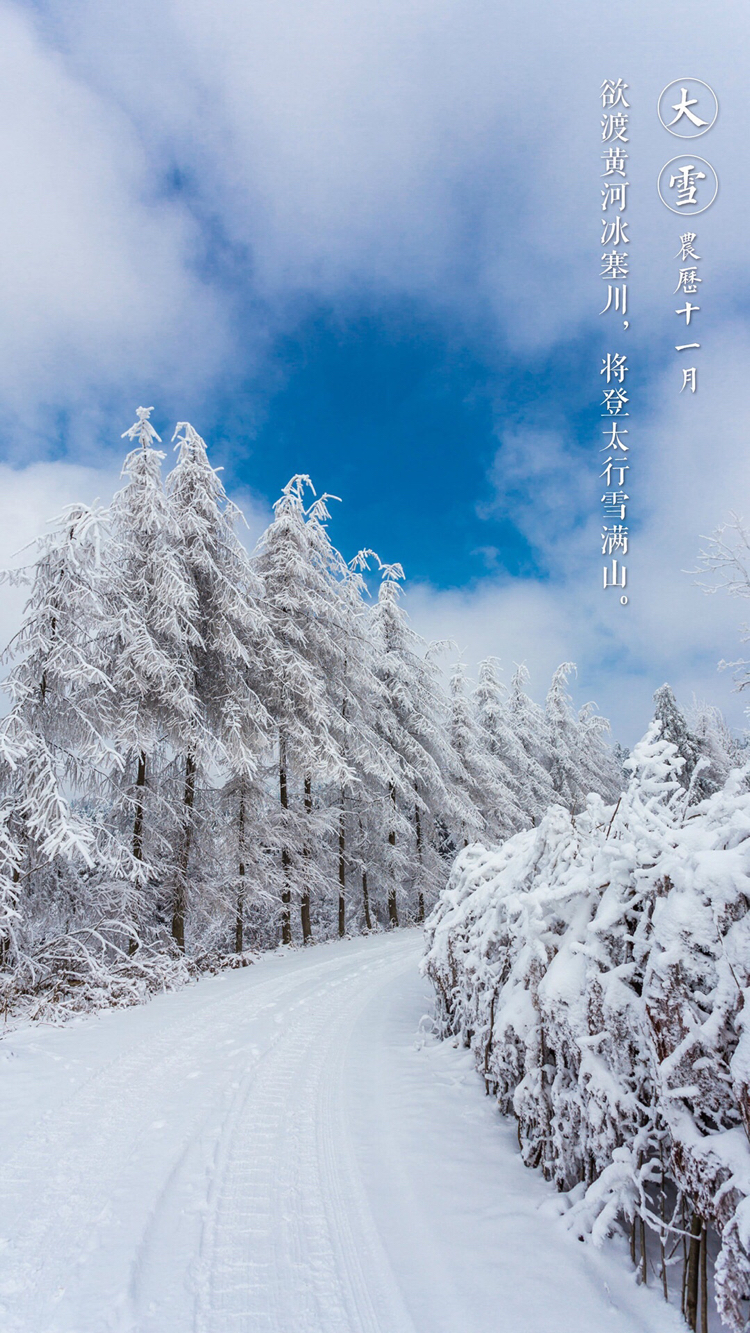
(30, 498)
(98, 295)
(690, 465)
(256, 512)
(425, 147)
(329, 148)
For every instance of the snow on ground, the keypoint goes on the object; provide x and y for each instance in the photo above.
(276, 1150)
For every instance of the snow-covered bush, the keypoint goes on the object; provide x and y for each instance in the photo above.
(598, 965)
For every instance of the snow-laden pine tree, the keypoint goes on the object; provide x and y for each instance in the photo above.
(481, 774)
(581, 761)
(424, 807)
(601, 764)
(563, 735)
(54, 747)
(490, 703)
(357, 698)
(530, 760)
(716, 744)
(229, 659)
(674, 728)
(154, 712)
(341, 654)
(301, 603)
(371, 764)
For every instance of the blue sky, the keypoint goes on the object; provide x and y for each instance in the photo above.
(361, 240)
(398, 418)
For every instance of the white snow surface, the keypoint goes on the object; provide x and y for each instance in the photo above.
(279, 1149)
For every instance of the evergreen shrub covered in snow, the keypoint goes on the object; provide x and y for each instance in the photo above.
(599, 967)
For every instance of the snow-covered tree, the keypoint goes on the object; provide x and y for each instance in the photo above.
(304, 616)
(423, 805)
(601, 764)
(155, 712)
(530, 760)
(581, 761)
(230, 657)
(481, 773)
(491, 710)
(725, 563)
(358, 701)
(53, 743)
(716, 744)
(674, 728)
(10, 871)
(563, 738)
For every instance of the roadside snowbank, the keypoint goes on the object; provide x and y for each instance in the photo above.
(598, 967)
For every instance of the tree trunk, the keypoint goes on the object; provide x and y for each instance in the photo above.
(418, 831)
(140, 783)
(693, 1265)
(683, 1224)
(342, 871)
(662, 1247)
(392, 903)
(342, 845)
(704, 1279)
(304, 909)
(286, 895)
(366, 901)
(365, 889)
(304, 906)
(239, 923)
(53, 635)
(140, 791)
(180, 897)
(5, 939)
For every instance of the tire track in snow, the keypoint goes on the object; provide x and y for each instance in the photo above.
(375, 1300)
(290, 1243)
(77, 1154)
(61, 1185)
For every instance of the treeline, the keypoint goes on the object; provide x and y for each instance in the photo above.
(599, 967)
(208, 750)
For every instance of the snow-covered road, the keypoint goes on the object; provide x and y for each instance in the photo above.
(276, 1151)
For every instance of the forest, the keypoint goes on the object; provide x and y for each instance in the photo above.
(208, 752)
